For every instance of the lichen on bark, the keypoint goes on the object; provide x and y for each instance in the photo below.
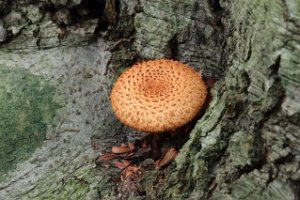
(238, 157)
(27, 107)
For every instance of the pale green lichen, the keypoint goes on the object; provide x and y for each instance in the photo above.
(72, 186)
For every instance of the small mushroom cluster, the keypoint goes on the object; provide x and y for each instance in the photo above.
(157, 96)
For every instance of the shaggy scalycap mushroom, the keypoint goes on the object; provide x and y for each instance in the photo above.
(158, 95)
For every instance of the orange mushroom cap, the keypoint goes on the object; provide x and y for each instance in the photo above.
(158, 95)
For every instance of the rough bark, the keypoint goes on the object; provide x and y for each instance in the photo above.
(246, 146)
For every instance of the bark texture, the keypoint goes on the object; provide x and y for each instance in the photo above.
(246, 146)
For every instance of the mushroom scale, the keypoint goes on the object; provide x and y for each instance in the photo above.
(158, 95)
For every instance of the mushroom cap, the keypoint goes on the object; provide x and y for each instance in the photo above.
(158, 95)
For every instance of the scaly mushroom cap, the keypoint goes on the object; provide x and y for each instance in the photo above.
(158, 95)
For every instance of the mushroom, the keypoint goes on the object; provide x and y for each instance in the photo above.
(158, 95)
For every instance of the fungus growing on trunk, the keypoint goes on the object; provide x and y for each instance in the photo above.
(158, 95)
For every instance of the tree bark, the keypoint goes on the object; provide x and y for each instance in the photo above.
(245, 146)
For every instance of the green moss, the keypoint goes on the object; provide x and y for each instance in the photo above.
(26, 107)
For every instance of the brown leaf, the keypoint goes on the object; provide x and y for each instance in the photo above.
(120, 149)
(129, 171)
(107, 156)
(133, 168)
(167, 158)
(122, 164)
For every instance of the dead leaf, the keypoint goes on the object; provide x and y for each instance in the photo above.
(120, 149)
(122, 164)
(130, 171)
(167, 158)
(133, 168)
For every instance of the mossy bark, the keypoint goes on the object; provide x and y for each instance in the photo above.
(246, 146)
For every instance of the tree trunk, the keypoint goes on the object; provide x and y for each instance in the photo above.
(59, 60)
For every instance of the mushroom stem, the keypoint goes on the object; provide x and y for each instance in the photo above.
(155, 147)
